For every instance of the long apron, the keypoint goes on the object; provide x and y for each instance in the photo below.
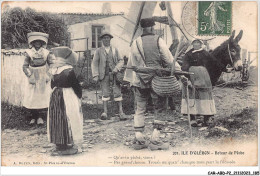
(201, 100)
(37, 90)
(65, 118)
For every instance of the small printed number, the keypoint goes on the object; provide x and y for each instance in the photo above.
(203, 26)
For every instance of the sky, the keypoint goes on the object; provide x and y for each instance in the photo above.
(244, 14)
(69, 6)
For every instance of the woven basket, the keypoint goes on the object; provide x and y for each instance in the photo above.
(166, 86)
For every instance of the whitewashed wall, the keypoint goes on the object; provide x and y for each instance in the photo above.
(13, 79)
(78, 31)
(111, 24)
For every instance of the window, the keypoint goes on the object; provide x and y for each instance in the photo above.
(96, 32)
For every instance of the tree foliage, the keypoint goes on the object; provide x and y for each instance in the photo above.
(17, 22)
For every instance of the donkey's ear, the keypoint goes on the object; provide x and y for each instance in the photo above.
(232, 35)
(239, 36)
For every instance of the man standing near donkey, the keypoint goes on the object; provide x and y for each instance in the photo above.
(148, 50)
(105, 66)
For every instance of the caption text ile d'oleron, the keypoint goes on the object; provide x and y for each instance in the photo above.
(152, 160)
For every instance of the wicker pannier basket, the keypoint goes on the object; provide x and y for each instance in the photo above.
(166, 86)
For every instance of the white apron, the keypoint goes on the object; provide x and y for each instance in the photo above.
(37, 90)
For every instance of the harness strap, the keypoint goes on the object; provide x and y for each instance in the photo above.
(230, 55)
(137, 45)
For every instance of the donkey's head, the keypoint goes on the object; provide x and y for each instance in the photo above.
(234, 51)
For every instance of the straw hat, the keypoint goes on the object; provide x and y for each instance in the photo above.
(65, 53)
(32, 36)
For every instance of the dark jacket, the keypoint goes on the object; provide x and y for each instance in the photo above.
(66, 79)
(202, 58)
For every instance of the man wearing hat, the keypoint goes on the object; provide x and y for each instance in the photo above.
(37, 92)
(106, 63)
(197, 60)
(148, 50)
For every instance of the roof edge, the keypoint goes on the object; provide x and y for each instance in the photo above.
(99, 14)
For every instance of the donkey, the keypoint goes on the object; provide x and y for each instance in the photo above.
(227, 54)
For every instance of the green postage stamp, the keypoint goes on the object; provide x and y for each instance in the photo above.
(214, 18)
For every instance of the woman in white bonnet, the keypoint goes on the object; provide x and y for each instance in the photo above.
(35, 67)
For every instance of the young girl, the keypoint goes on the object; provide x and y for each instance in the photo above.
(65, 119)
(37, 92)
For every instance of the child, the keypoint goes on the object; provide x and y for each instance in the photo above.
(65, 119)
(37, 92)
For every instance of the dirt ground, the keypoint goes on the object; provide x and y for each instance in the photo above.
(236, 121)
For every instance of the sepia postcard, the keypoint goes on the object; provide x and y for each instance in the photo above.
(130, 84)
